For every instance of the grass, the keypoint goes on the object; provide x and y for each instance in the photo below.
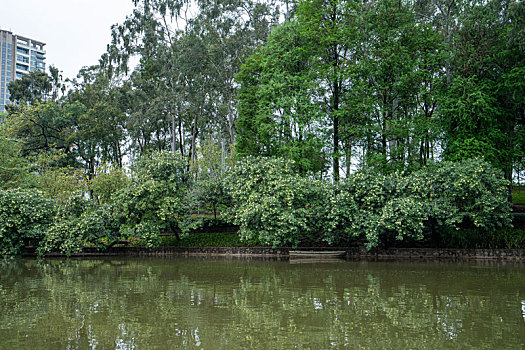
(509, 238)
(203, 240)
(518, 195)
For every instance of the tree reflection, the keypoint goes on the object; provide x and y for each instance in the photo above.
(197, 303)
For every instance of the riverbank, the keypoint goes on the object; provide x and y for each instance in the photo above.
(351, 252)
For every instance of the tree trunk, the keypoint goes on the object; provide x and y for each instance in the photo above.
(335, 118)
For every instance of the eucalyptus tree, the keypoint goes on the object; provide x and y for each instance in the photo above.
(189, 52)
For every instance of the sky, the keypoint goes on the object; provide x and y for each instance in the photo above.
(76, 32)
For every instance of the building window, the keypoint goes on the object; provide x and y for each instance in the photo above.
(22, 59)
(22, 50)
(21, 67)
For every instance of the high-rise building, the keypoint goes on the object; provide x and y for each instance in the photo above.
(19, 56)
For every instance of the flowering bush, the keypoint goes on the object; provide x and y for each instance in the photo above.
(445, 195)
(24, 216)
(273, 204)
(277, 206)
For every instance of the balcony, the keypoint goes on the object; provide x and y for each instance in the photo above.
(22, 44)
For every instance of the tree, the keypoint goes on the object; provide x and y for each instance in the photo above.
(276, 116)
(184, 84)
(483, 107)
(12, 164)
(154, 200)
(31, 87)
(41, 127)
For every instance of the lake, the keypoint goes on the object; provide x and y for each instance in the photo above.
(233, 303)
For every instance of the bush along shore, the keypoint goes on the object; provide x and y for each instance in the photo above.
(267, 203)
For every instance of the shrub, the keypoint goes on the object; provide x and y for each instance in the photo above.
(24, 216)
(108, 180)
(273, 204)
(154, 201)
(470, 192)
(79, 222)
(442, 196)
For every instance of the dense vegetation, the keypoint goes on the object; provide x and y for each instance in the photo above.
(308, 122)
(270, 202)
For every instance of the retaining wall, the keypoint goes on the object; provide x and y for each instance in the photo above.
(351, 253)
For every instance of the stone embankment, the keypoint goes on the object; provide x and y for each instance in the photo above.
(351, 252)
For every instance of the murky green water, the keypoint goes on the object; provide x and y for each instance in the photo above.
(216, 303)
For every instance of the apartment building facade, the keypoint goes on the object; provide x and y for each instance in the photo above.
(19, 55)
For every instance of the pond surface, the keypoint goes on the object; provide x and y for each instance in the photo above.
(212, 303)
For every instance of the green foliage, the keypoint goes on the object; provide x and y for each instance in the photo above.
(469, 192)
(377, 208)
(51, 174)
(276, 206)
(12, 164)
(108, 180)
(207, 194)
(40, 127)
(154, 200)
(483, 105)
(273, 204)
(388, 85)
(472, 114)
(79, 223)
(35, 86)
(444, 195)
(24, 217)
(276, 117)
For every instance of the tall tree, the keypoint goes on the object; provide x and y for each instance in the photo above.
(483, 107)
(187, 62)
(302, 75)
(32, 87)
(276, 114)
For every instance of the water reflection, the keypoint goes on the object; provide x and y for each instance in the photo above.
(230, 304)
